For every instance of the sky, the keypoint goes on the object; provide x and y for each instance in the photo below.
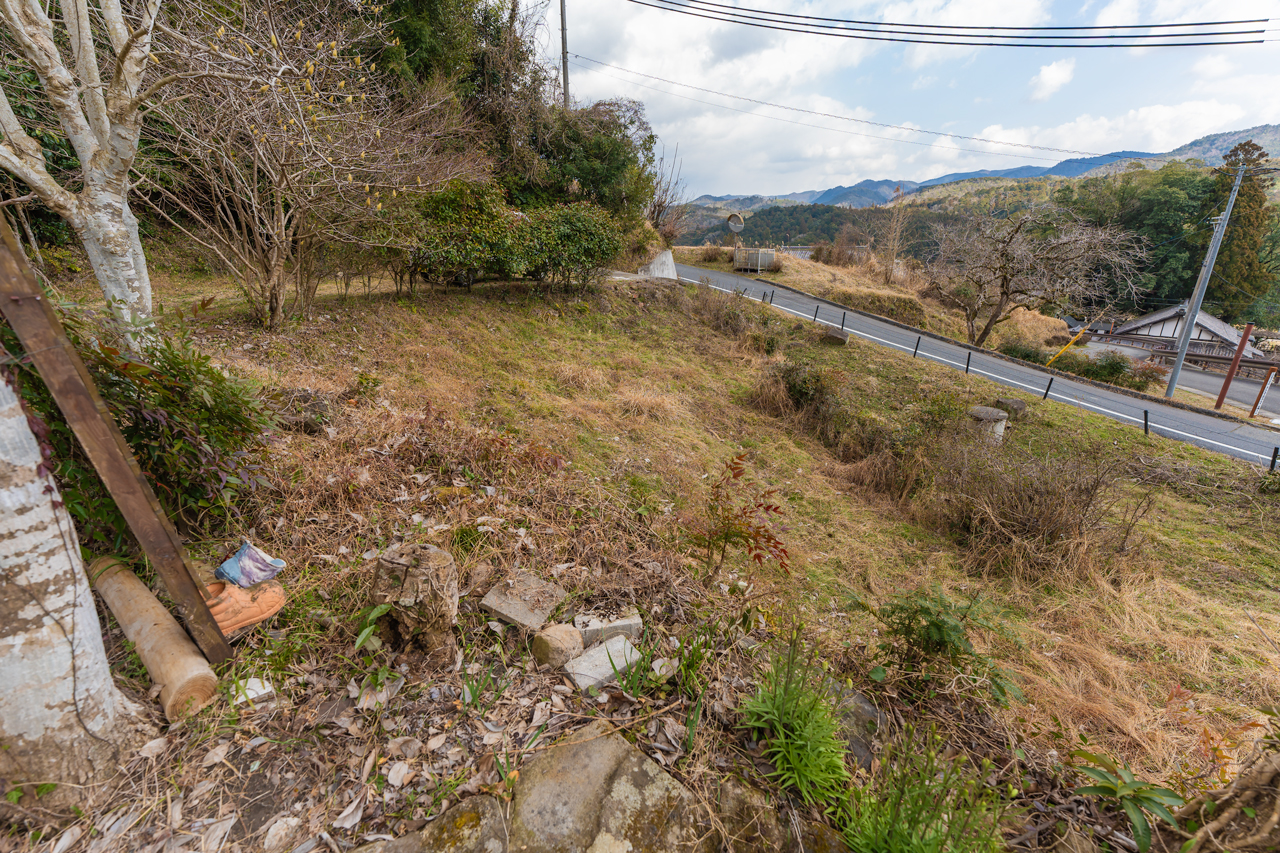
(1094, 101)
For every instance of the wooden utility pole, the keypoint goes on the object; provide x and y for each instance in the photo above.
(33, 320)
(564, 53)
(1202, 284)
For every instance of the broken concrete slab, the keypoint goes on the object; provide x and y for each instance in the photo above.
(1015, 407)
(594, 630)
(595, 791)
(523, 600)
(602, 664)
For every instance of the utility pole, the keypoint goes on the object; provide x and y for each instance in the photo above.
(564, 53)
(1202, 284)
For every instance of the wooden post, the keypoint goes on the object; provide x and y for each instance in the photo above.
(37, 327)
(1235, 365)
(1262, 392)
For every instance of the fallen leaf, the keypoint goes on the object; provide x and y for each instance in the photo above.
(154, 748)
(217, 755)
(278, 836)
(404, 747)
(216, 835)
(352, 814)
(436, 742)
(400, 773)
(68, 838)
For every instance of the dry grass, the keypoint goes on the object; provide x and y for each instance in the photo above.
(1029, 327)
(642, 401)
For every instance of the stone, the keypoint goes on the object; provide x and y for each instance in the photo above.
(1012, 405)
(474, 825)
(989, 421)
(420, 582)
(303, 410)
(862, 720)
(595, 792)
(663, 266)
(628, 624)
(523, 600)
(750, 822)
(817, 838)
(834, 337)
(603, 663)
(556, 645)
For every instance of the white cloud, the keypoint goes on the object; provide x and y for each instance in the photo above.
(1051, 78)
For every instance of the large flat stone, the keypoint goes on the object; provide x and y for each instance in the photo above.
(595, 792)
(523, 600)
(603, 663)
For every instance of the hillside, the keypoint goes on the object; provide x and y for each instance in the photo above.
(578, 436)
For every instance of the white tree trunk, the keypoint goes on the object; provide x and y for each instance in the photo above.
(109, 232)
(62, 720)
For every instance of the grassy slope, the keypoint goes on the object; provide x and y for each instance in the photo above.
(638, 393)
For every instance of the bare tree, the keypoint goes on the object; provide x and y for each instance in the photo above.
(987, 267)
(893, 234)
(668, 209)
(326, 154)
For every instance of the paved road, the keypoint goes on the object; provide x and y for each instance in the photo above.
(1242, 393)
(1254, 444)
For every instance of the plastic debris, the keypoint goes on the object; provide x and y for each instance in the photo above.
(248, 566)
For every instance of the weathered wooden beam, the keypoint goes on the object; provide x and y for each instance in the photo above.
(29, 314)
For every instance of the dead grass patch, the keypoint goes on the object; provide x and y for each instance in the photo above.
(580, 378)
(638, 403)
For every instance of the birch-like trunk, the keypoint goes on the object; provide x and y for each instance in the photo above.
(109, 233)
(62, 720)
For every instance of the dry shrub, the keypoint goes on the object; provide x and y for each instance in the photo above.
(1031, 327)
(1035, 519)
(580, 378)
(775, 265)
(636, 403)
(712, 254)
(730, 313)
(902, 307)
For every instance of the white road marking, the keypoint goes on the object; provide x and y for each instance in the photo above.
(1005, 379)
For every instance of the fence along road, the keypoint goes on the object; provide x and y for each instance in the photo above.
(1243, 441)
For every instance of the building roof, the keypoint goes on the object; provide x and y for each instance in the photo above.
(1208, 322)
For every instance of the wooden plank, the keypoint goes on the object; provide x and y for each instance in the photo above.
(33, 319)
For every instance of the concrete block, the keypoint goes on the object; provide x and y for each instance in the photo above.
(523, 600)
(663, 266)
(603, 663)
(628, 624)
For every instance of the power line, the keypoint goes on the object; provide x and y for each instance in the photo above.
(955, 31)
(864, 121)
(816, 126)
(866, 35)
(964, 27)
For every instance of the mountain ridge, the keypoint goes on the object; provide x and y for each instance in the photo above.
(870, 192)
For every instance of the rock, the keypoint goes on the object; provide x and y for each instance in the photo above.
(989, 421)
(834, 337)
(663, 266)
(603, 663)
(817, 838)
(629, 625)
(474, 825)
(523, 600)
(1012, 405)
(861, 721)
(420, 582)
(596, 792)
(750, 822)
(556, 645)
